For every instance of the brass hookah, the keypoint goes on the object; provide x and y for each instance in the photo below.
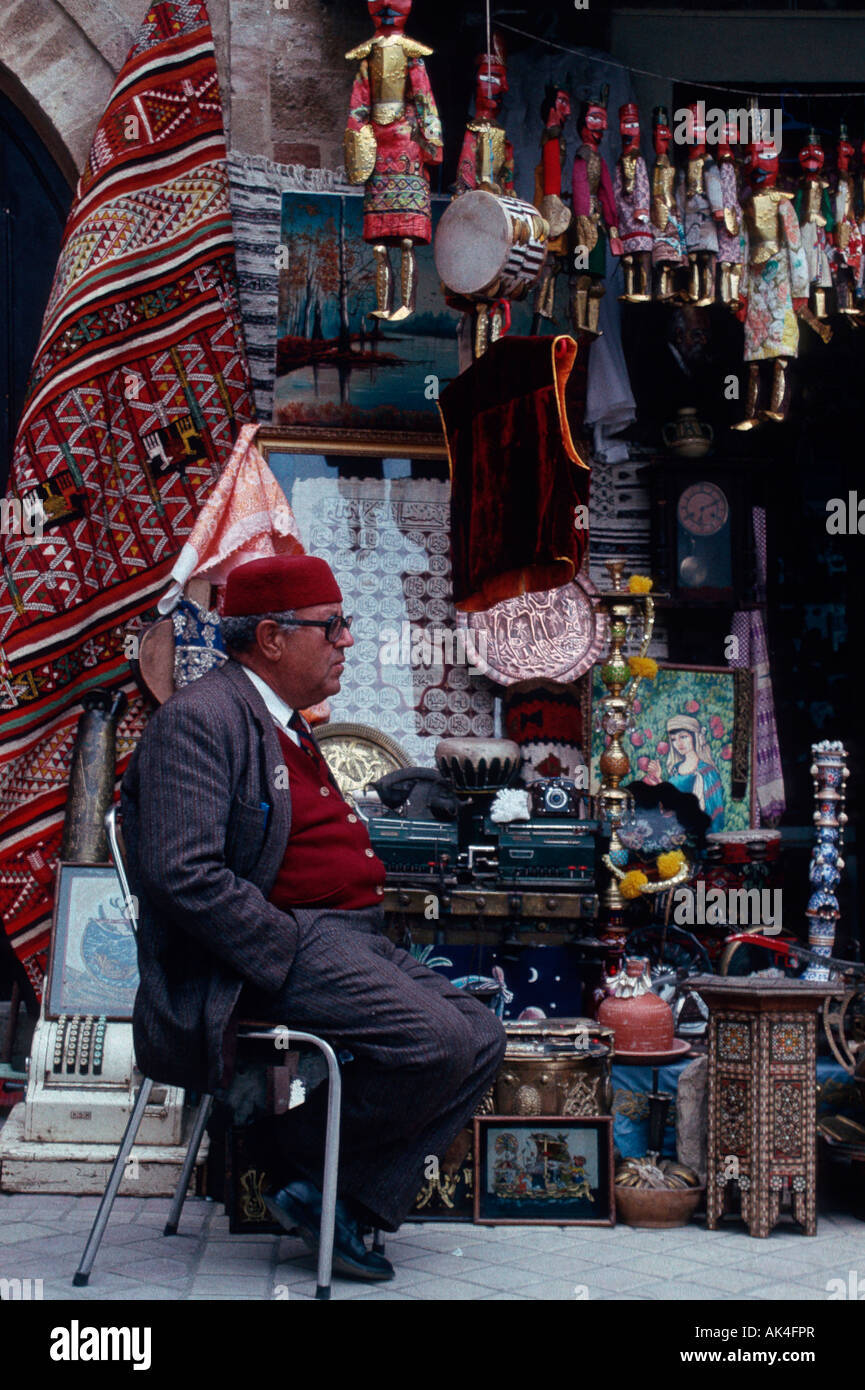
(622, 606)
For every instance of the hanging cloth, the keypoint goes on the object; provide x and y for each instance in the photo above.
(517, 478)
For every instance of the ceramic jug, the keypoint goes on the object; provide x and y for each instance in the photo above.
(687, 436)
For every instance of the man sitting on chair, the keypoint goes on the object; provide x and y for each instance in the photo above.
(260, 897)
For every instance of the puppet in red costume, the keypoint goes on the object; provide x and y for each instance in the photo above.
(814, 211)
(487, 155)
(555, 112)
(595, 216)
(668, 250)
(631, 188)
(859, 204)
(774, 283)
(486, 162)
(846, 254)
(393, 135)
(731, 238)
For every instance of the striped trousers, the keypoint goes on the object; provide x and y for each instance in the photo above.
(424, 1053)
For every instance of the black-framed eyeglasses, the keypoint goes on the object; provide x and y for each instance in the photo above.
(334, 627)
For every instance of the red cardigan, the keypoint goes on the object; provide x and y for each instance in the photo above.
(328, 860)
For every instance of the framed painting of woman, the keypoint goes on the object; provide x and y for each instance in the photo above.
(693, 727)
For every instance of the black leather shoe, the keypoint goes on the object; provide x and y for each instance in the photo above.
(298, 1207)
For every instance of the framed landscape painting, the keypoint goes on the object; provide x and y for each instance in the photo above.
(336, 367)
(340, 370)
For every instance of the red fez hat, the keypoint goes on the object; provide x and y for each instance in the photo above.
(278, 584)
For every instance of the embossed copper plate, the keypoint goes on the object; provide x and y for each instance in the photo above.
(358, 754)
(557, 634)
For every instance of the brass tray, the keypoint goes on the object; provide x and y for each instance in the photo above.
(358, 754)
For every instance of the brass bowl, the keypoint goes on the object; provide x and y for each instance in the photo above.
(657, 1208)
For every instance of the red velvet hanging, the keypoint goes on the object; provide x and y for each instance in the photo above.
(517, 478)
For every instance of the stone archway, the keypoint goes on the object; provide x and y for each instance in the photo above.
(57, 64)
(57, 67)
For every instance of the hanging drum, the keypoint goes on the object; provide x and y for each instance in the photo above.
(489, 246)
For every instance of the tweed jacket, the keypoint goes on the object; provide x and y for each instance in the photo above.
(206, 819)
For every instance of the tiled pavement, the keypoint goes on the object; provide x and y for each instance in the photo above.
(42, 1237)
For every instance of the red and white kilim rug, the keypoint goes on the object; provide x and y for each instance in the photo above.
(138, 390)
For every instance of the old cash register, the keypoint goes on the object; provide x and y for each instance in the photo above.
(81, 1073)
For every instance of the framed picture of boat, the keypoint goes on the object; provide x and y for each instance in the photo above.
(93, 967)
(337, 368)
(554, 1170)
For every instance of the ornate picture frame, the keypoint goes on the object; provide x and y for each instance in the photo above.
(351, 443)
(93, 962)
(544, 1170)
(717, 704)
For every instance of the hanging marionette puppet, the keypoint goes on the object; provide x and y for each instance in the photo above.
(668, 247)
(731, 238)
(392, 137)
(631, 190)
(814, 212)
(486, 163)
(859, 210)
(701, 205)
(774, 283)
(845, 257)
(555, 112)
(487, 155)
(595, 216)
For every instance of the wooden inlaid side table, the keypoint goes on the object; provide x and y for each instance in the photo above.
(762, 1097)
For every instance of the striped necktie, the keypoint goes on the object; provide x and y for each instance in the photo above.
(311, 748)
(304, 737)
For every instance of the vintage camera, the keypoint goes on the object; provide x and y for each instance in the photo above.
(555, 796)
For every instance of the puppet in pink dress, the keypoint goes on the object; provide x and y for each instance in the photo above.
(731, 236)
(631, 189)
(595, 218)
(845, 257)
(668, 232)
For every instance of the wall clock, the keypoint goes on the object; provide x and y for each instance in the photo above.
(703, 557)
(702, 532)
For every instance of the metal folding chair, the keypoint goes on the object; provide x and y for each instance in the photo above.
(246, 1031)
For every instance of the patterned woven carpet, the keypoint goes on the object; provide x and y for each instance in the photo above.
(139, 388)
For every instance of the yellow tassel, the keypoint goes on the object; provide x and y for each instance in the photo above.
(669, 864)
(643, 666)
(632, 884)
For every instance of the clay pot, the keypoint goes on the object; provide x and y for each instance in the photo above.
(687, 436)
(657, 1207)
(642, 1022)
